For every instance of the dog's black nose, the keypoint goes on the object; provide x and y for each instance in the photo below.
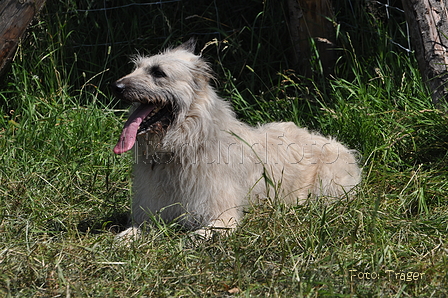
(117, 87)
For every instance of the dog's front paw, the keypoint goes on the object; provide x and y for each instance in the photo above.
(129, 235)
(208, 232)
(205, 233)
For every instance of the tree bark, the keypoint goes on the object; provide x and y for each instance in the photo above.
(428, 23)
(310, 23)
(15, 16)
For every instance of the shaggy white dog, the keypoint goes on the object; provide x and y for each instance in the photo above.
(198, 165)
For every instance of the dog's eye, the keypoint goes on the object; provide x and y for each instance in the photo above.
(157, 72)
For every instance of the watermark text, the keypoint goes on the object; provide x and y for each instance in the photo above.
(390, 275)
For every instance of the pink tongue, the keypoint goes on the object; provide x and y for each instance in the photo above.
(129, 133)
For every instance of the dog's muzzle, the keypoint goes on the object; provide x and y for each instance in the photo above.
(150, 116)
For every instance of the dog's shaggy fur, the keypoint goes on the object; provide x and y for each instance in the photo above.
(198, 165)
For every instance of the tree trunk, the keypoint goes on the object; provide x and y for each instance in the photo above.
(428, 23)
(311, 29)
(15, 16)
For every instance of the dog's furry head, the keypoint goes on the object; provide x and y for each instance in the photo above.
(163, 87)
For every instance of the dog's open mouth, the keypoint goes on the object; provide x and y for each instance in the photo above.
(147, 118)
(157, 121)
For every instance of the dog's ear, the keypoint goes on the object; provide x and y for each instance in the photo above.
(189, 45)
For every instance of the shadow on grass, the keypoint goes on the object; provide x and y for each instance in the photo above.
(115, 223)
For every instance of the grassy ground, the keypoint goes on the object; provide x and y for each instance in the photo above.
(64, 194)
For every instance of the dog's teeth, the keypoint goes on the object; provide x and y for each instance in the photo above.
(153, 112)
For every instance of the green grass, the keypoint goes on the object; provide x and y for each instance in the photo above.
(64, 194)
